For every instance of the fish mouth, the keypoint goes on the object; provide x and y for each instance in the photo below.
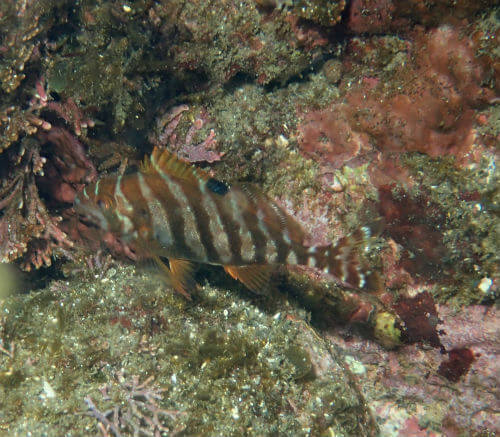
(91, 213)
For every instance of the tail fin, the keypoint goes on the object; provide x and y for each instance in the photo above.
(342, 260)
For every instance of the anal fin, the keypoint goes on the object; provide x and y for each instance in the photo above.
(254, 277)
(179, 275)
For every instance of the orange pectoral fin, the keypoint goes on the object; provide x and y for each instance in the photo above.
(179, 275)
(254, 277)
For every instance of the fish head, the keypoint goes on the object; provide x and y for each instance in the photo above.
(97, 205)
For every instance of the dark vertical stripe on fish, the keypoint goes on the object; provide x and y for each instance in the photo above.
(175, 216)
(258, 232)
(202, 221)
(269, 214)
(301, 255)
(230, 226)
(233, 209)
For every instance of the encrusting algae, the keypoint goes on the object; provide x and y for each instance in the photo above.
(220, 367)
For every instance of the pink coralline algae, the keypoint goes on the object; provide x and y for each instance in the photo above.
(435, 116)
(41, 159)
(327, 136)
(440, 83)
(407, 389)
(166, 135)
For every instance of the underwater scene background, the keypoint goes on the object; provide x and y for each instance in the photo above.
(351, 115)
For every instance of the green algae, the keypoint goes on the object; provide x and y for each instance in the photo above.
(324, 12)
(115, 57)
(386, 332)
(225, 366)
(256, 130)
(469, 199)
(107, 63)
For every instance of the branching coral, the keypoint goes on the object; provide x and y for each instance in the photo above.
(20, 24)
(28, 230)
(135, 411)
(165, 135)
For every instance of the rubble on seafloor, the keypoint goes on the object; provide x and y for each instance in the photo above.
(116, 352)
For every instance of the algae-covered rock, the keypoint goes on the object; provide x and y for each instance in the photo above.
(120, 352)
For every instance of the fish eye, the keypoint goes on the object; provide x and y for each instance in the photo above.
(102, 204)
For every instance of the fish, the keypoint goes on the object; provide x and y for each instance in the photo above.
(170, 209)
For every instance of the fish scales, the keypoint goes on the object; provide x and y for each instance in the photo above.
(171, 209)
(198, 222)
(211, 221)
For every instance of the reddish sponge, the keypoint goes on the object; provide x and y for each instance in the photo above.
(420, 318)
(457, 365)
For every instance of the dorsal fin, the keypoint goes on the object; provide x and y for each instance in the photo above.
(274, 214)
(163, 161)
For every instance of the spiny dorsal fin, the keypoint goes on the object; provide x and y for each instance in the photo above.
(255, 277)
(275, 214)
(163, 161)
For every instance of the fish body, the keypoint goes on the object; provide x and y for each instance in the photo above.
(172, 209)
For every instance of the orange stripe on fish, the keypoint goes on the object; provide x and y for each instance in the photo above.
(173, 210)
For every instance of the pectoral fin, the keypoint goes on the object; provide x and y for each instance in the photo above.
(179, 275)
(255, 277)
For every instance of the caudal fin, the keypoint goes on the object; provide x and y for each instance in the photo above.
(342, 260)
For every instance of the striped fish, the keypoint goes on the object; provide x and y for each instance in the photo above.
(173, 210)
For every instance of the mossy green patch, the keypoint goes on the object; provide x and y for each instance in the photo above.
(85, 346)
(469, 200)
